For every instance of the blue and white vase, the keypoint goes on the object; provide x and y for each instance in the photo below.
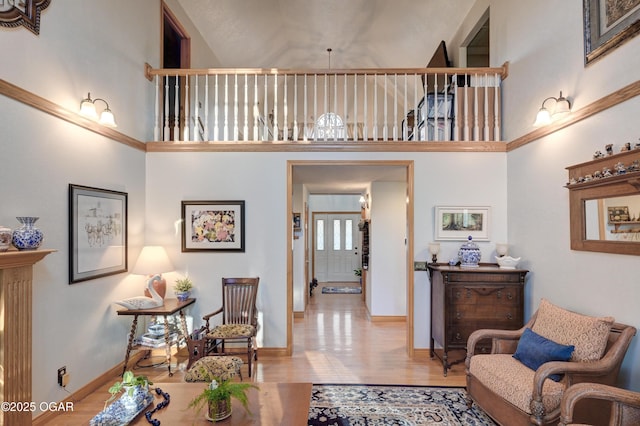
(469, 254)
(27, 237)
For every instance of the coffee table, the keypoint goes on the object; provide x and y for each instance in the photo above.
(272, 404)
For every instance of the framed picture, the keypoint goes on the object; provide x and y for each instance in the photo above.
(97, 233)
(618, 214)
(213, 225)
(608, 24)
(297, 222)
(457, 223)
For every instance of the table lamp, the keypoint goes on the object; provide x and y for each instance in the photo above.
(434, 249)
(153, 262)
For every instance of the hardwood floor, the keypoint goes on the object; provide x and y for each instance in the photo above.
(333, 343)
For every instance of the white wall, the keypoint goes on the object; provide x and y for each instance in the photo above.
(541, 64)
(77, 51)
(388, 251)
(478, 179)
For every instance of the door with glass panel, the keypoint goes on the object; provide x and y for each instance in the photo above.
(336, 246)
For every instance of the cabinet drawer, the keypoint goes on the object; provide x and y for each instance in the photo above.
(485, 294)
(489, 278)
(487, 313)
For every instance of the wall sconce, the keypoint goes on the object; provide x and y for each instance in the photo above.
(88, 109)
(364, 201)
(434, 249)
(562, 107)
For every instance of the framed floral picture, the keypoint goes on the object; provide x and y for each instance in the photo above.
(457, 223)
(213, 225)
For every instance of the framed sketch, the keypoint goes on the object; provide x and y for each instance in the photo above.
(97, 233)
(608, 24)
(458, 223)
(213, 225)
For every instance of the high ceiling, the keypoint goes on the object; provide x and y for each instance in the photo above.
(297, 34)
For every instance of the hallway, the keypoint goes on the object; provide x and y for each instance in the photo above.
(336, 343)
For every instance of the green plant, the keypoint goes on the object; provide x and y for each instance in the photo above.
(358, 272)
(183, 284)
(129, 381)
(220, 390)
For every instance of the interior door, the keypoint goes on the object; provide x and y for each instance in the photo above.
(336, 246)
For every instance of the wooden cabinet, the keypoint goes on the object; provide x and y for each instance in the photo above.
(466, 299)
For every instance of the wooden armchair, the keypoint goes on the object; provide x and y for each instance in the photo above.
(239, 320)
(513, 394)
(625, 404)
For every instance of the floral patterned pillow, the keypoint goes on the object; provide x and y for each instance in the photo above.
(588, 334)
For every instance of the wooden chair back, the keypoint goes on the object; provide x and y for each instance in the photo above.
(239, 300)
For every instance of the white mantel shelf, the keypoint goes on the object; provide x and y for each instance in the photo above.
(16, 282)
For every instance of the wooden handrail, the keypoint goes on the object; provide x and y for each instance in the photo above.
(150, 72)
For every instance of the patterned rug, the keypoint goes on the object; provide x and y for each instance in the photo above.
(342, 289)
(377, 405)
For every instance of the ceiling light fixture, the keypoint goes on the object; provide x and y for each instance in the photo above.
(88, 109)
(561, 108)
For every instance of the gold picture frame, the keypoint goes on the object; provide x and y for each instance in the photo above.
(608, 24)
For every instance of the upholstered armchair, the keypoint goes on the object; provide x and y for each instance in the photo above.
(512, 393)
(625, 404)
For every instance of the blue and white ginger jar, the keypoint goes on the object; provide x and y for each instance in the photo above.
(469, 254)
(27, 237)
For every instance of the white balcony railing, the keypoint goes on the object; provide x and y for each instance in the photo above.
(360, 105)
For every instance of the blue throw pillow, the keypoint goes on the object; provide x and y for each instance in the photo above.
(534, 350)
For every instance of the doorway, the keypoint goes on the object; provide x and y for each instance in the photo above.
(335, 246)
(341, 172)
(476, 45)
(175, 53)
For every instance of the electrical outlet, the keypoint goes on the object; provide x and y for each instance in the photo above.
(63, 378)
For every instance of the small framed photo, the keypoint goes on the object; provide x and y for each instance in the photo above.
(97, 233)
(457, 223)
(213, 225)
(297, 223)
(618, 214)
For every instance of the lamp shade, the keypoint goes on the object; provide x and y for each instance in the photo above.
(153, 260)
(543, 118)
(434, 248)
(107, 118)
(88, 108)
(563, 107)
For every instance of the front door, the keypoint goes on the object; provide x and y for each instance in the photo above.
(336, 246)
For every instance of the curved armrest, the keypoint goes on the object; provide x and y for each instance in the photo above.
(208, 316)
(610, 362)
(497, 336)
(594, 391)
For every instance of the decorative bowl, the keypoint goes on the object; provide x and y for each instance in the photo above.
(508, 262)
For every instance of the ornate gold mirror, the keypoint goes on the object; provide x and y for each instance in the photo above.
(604, 210)
(14, 13)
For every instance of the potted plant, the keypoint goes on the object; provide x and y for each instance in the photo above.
(358, 273)
(182, 288)
(135, 388)
(217, 396)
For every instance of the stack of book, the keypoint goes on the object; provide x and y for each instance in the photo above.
(154, 337)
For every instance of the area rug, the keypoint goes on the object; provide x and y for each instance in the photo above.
(342, 289)
(377, 405)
